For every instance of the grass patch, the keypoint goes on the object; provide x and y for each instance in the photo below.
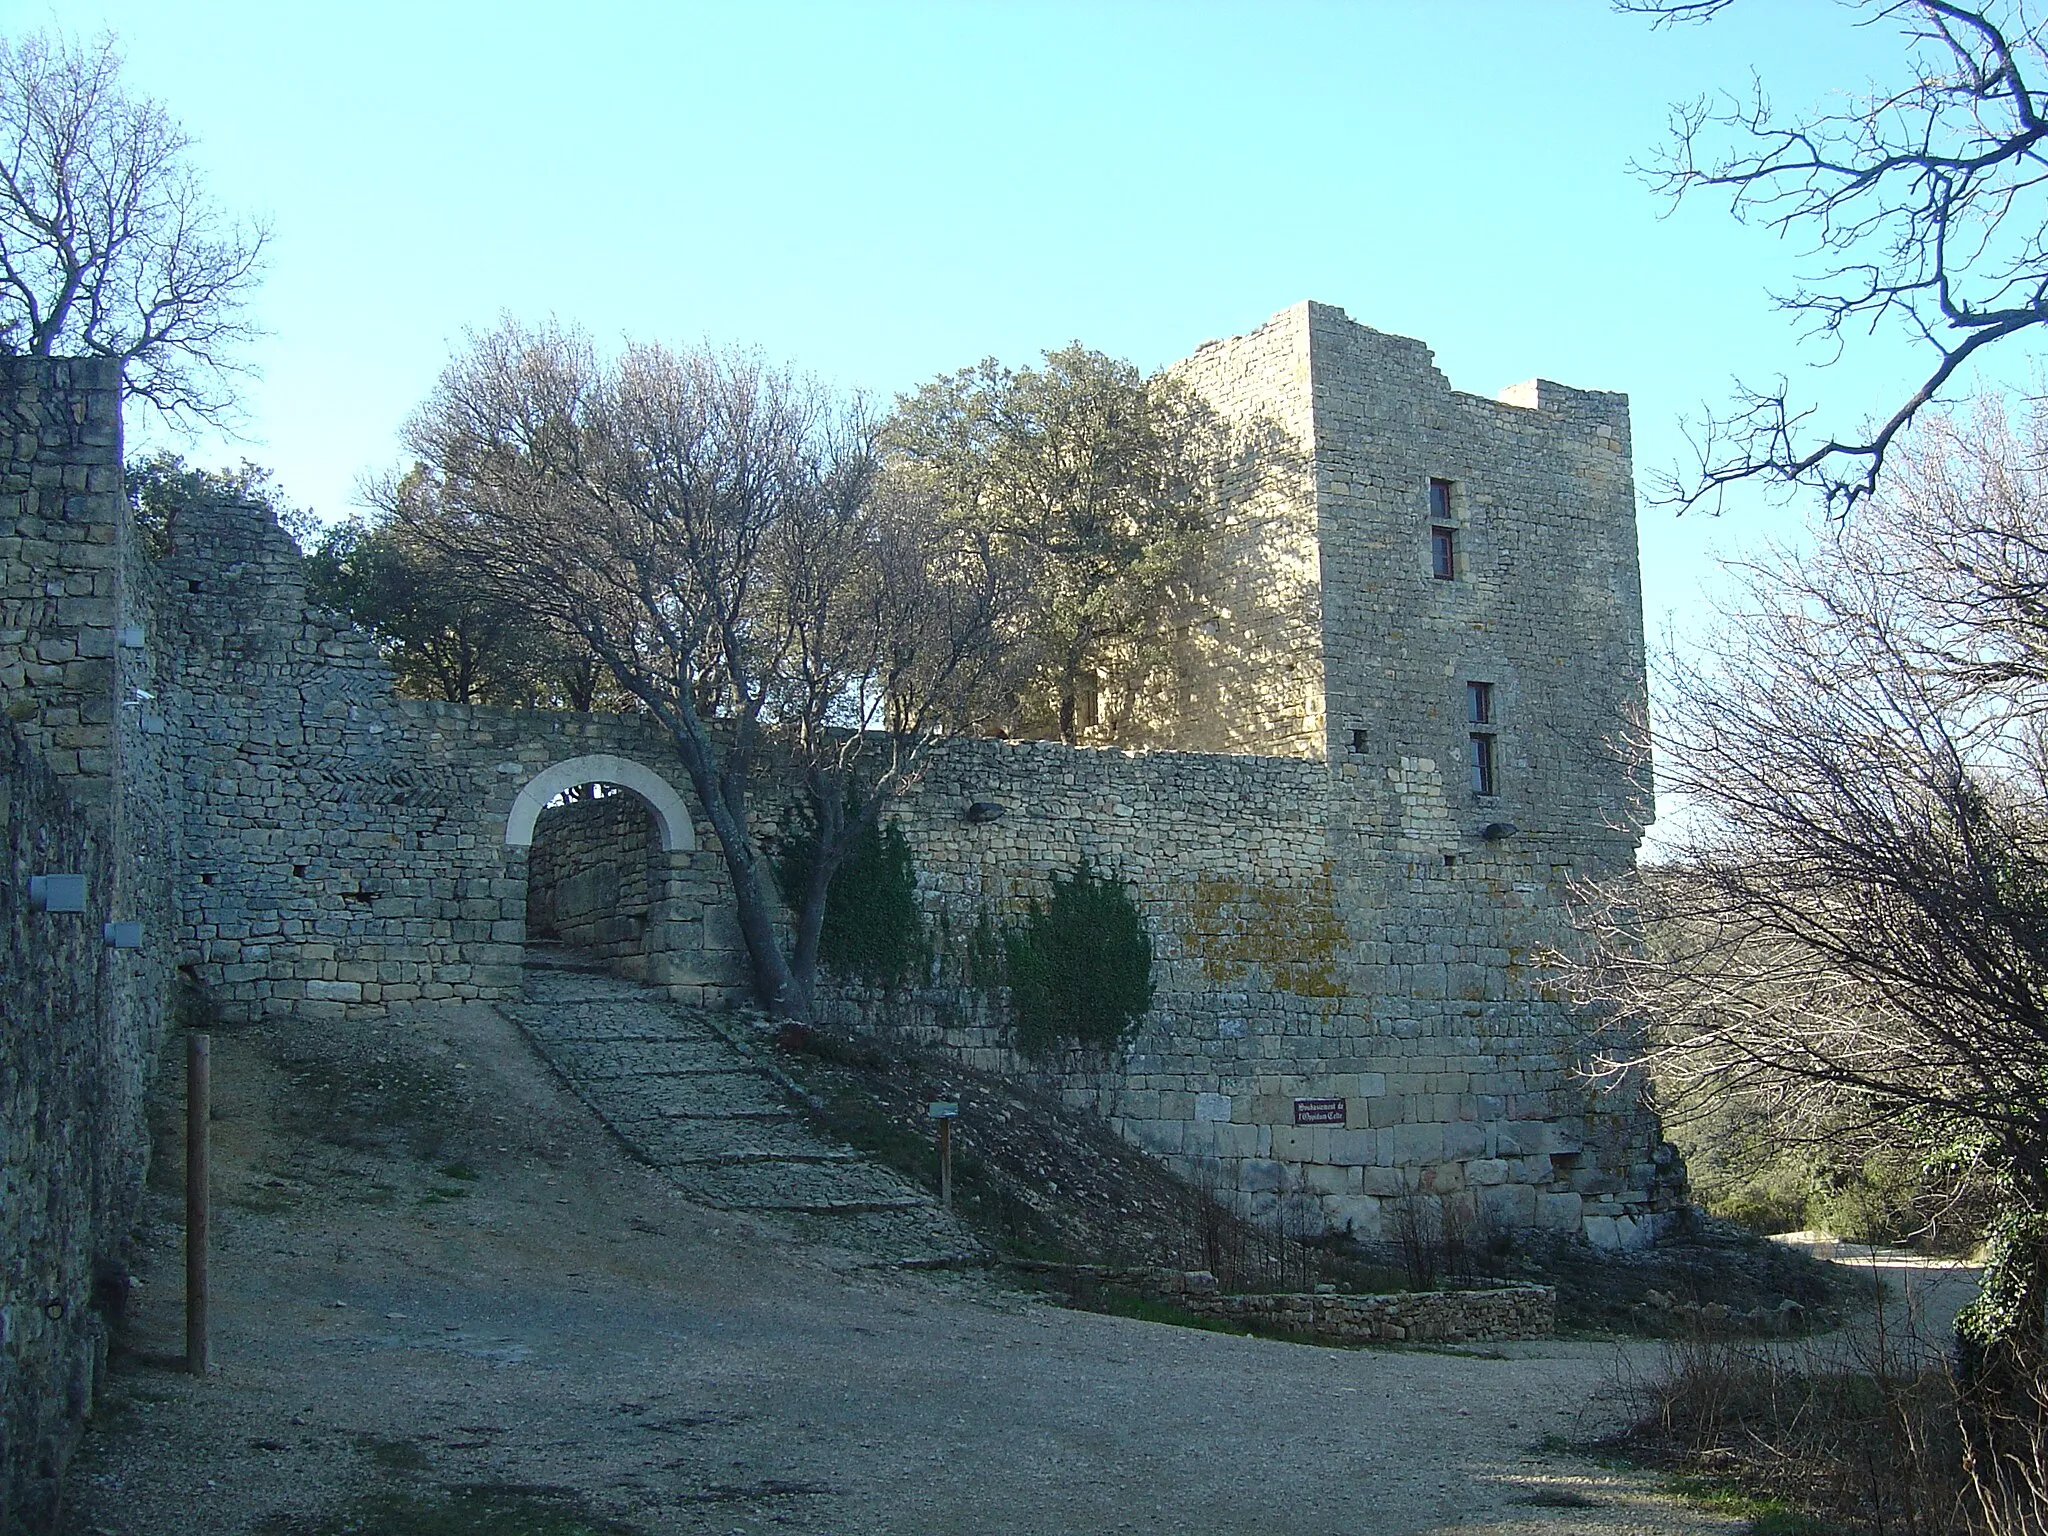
(1767, 1515)
(1114, 1301)
(461, 1171)
(1860, 1435)
(1147, 1309)
(475, 1510)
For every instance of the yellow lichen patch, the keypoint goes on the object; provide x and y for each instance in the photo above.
(1290, 932)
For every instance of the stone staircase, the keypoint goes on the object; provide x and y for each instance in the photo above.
(689, 1095)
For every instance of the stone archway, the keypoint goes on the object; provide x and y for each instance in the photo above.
(613, 879)
(671, 815)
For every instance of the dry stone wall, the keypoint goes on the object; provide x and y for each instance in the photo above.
(82, 794)
(1418, 1317)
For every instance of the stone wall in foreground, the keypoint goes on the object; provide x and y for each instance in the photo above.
(72, 1071)
(82, 793)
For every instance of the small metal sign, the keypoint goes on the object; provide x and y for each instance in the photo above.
(942, 1109)
(1318, 1111)
(57, 893)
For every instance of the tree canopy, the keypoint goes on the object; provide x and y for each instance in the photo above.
(446, 637)
(1851, 930)
(1095, 479)
(722, 535)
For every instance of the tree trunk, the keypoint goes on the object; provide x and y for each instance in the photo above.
(829, 806)
(776, 987)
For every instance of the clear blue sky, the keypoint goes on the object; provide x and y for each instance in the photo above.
(880, 191)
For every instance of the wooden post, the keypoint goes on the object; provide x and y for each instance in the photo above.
(198, 1212)
(943, 1111)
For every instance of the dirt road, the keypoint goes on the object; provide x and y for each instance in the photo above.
(479, 1309)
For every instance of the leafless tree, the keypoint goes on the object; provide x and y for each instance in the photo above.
(1925, 205)
(1853, 930)
(108, 246)
(726, 539)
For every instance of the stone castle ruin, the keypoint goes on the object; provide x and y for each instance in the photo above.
(1390, 740)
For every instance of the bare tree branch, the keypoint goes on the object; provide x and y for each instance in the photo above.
(1854, 931)
(724, 536)
(1923, 207)
(108, 247)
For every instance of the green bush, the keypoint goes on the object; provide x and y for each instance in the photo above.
(872, 927)
(1079, 967)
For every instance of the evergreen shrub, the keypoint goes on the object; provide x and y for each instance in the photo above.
(1079, 967)
(872, 928)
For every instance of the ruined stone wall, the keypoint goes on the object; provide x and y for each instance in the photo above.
(345, 848)
(592, 879)
(1333, 926)
(82, 792)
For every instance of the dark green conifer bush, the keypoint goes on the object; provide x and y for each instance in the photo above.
(872, 928)
(1079, 967)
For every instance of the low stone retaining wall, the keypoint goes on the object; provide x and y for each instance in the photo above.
(1512, 1310)
(1415, 1317)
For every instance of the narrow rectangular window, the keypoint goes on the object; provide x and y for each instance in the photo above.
(1088, 699)
(1443, 555)
(1482, 764)
(1361, 742)
(1440, 500)
(1479, 703)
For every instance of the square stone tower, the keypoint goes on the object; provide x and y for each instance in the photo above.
(1437, 596)
(1435, 592)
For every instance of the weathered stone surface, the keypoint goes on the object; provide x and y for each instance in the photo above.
(83, 786)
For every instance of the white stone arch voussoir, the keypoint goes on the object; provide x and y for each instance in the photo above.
(670, 814)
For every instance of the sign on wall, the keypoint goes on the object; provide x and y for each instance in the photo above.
(1318, 1111)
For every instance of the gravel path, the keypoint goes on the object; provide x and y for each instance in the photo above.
(497, 1297)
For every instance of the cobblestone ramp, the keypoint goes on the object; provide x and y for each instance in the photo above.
(688, 1097)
